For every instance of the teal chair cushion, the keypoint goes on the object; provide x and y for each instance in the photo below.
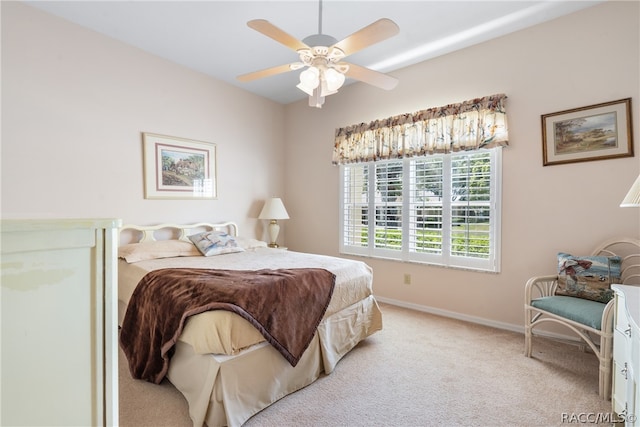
(580, 310)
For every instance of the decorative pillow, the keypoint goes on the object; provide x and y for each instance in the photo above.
(134, 252)
(588, 277)
(215, 243)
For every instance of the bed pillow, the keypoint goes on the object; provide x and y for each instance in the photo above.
(134, 252)
(588, 277)
(211, 243)
(250, 244)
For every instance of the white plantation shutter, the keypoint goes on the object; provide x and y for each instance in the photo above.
(471, 201)
(355, 199)
(438, 209)
(388, 205)
(425, 206)
(475, 210)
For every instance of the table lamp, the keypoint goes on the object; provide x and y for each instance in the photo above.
(632, 199)
(273, 210)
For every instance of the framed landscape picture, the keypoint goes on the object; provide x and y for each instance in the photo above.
(595, 132)
(178, 168)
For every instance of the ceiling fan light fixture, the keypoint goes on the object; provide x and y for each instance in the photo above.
(309, 80)
(305, 89)
(325, 91)
(334, 79)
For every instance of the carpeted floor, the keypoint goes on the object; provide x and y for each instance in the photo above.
(420, 370)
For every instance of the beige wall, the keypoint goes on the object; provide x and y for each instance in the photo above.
(585, 58)
(74, 104)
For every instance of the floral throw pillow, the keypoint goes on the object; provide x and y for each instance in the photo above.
(588, 277)
(211, 243)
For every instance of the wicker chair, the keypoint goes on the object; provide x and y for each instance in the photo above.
(592, 321)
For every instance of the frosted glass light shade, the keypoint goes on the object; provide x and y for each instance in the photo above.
(632, 199)
(309, 80)
(334, 79)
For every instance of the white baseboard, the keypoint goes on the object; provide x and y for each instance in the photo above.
(478, 320)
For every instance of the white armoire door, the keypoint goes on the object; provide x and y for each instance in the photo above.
(59, 322)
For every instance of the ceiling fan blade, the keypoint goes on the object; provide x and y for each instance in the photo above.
(267, 72)
(374, 78)
(268, 29)
(374, 33)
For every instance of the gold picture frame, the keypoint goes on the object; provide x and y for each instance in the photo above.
(178, 168)
(595, 132)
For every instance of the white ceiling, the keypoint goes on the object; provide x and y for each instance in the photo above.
(212, 36)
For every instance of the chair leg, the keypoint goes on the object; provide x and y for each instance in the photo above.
(604, 389)
(527, 333)
(527, 342)
(605, 377)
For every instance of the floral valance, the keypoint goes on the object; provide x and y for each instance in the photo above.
(470, 125)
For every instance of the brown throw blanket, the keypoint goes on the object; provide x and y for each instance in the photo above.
(285, 305)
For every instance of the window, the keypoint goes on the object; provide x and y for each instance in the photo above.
(437, 209)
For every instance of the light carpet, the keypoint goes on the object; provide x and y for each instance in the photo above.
(420, 370)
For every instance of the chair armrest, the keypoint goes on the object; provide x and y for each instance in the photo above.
(540, 286)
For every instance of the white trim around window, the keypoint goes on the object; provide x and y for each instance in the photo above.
(438, 209)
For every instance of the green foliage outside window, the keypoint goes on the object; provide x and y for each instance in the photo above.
(471, 240)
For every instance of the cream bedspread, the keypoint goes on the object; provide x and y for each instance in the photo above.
(228, 390)
(222, 332)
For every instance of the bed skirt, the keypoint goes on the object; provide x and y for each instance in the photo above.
(228, 390)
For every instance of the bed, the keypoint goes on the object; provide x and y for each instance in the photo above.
(221, 363)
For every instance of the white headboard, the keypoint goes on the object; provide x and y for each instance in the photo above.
(149, 233)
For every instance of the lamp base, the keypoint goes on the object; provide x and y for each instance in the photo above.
(274, 229)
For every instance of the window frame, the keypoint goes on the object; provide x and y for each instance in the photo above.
(445, 258)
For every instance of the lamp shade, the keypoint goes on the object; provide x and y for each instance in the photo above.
(274, 209)
(632, 199)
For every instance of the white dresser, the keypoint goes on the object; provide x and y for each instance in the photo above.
(59, 322)
(625, 397)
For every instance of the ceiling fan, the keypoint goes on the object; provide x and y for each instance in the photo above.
(322, 56)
